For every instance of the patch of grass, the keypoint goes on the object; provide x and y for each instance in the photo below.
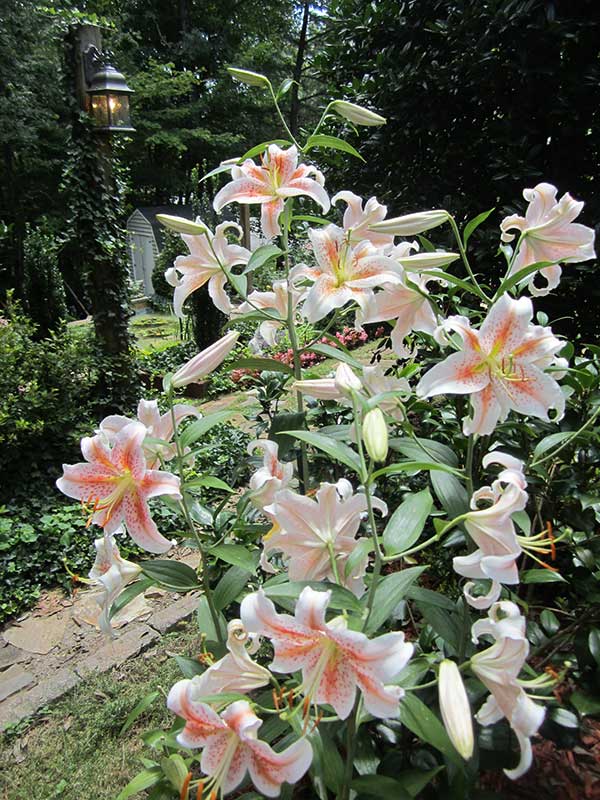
(73, 750)
(155, 331)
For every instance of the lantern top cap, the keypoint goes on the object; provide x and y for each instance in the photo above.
(108, 79)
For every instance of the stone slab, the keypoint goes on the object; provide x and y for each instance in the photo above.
(13, 679)
(115, 652)
(38, 634)
(165, 619)
(9, 655)
(26, 703)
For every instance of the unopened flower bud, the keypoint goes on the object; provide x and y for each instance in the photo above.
(357, 114)
(346, 380)
(375, 435)
(248, 77)
(455, 708)
(206, 361)
(411, 224)
(181, 225)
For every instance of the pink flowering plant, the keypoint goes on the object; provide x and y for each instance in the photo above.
(327, 656)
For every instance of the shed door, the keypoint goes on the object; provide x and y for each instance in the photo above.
(142, 260)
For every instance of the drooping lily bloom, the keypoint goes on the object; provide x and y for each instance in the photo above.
(375, 382)
(272, 477)
(498, 669)
(334, 661)
(111, 572)
(278, 299)
(157, 427)
(358, 217)
(206, 361)
(343, 272)
(116, 483)
(231, 747)
(270, 183)
(235, 672)
(208, 254)
(410, 308)
(493, 531)
(548, 234)
(501, 366)
(313, 533)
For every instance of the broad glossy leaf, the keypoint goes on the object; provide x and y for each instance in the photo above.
(380, 786)
(139, 709)
(238, 555)
(549, 442)
(261, 255)
(341, 598)
(143, 780)
(201, 426)
(419, 449)
(451, 493)
(473, 224)
(171, 574)
(128, 594)
(407, 522)
(338, 450)
(262, 365)
(331, 143)
(390, 591)
(541, 576)
(230, 586)
(329, 351)
(421, 720)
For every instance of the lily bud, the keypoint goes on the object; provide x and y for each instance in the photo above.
(375, 435)
(346, 380)
(205, 362)
(410, 224)
(181, 225)
(248, 77)
(357, 114)
(455, 708)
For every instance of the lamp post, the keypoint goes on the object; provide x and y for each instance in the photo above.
(99, 236)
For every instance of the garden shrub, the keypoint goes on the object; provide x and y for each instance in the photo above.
(46, 399)
(43, 290)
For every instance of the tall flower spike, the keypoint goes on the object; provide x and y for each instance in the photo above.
(498, 669)
(549, 234)
(334, 661)
(117, 485)
(343, 272)
(501, 366)
(231, 747)
(270, 183)
(315, 532)
(209, 253)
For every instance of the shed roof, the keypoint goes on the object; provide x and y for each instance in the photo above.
(150, 213)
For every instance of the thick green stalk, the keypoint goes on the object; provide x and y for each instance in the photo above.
(202, 566)
(465, 260)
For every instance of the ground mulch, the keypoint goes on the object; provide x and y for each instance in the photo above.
(556, 774)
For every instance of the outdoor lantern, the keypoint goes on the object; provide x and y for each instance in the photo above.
(108, 94)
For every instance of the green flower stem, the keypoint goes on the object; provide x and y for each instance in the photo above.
(463, 254)
(469, 463)
(350, 751)
(282, 118)
(567, 441)
(203, 571)
(291, 328)
(334, 565)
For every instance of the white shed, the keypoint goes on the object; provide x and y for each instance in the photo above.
(144, 239)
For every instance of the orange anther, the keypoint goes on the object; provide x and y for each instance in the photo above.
(200, 790)
(276, 699)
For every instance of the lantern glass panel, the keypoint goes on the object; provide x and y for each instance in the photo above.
(118, 105)
(99, 104)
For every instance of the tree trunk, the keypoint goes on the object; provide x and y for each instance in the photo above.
(300, 54)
